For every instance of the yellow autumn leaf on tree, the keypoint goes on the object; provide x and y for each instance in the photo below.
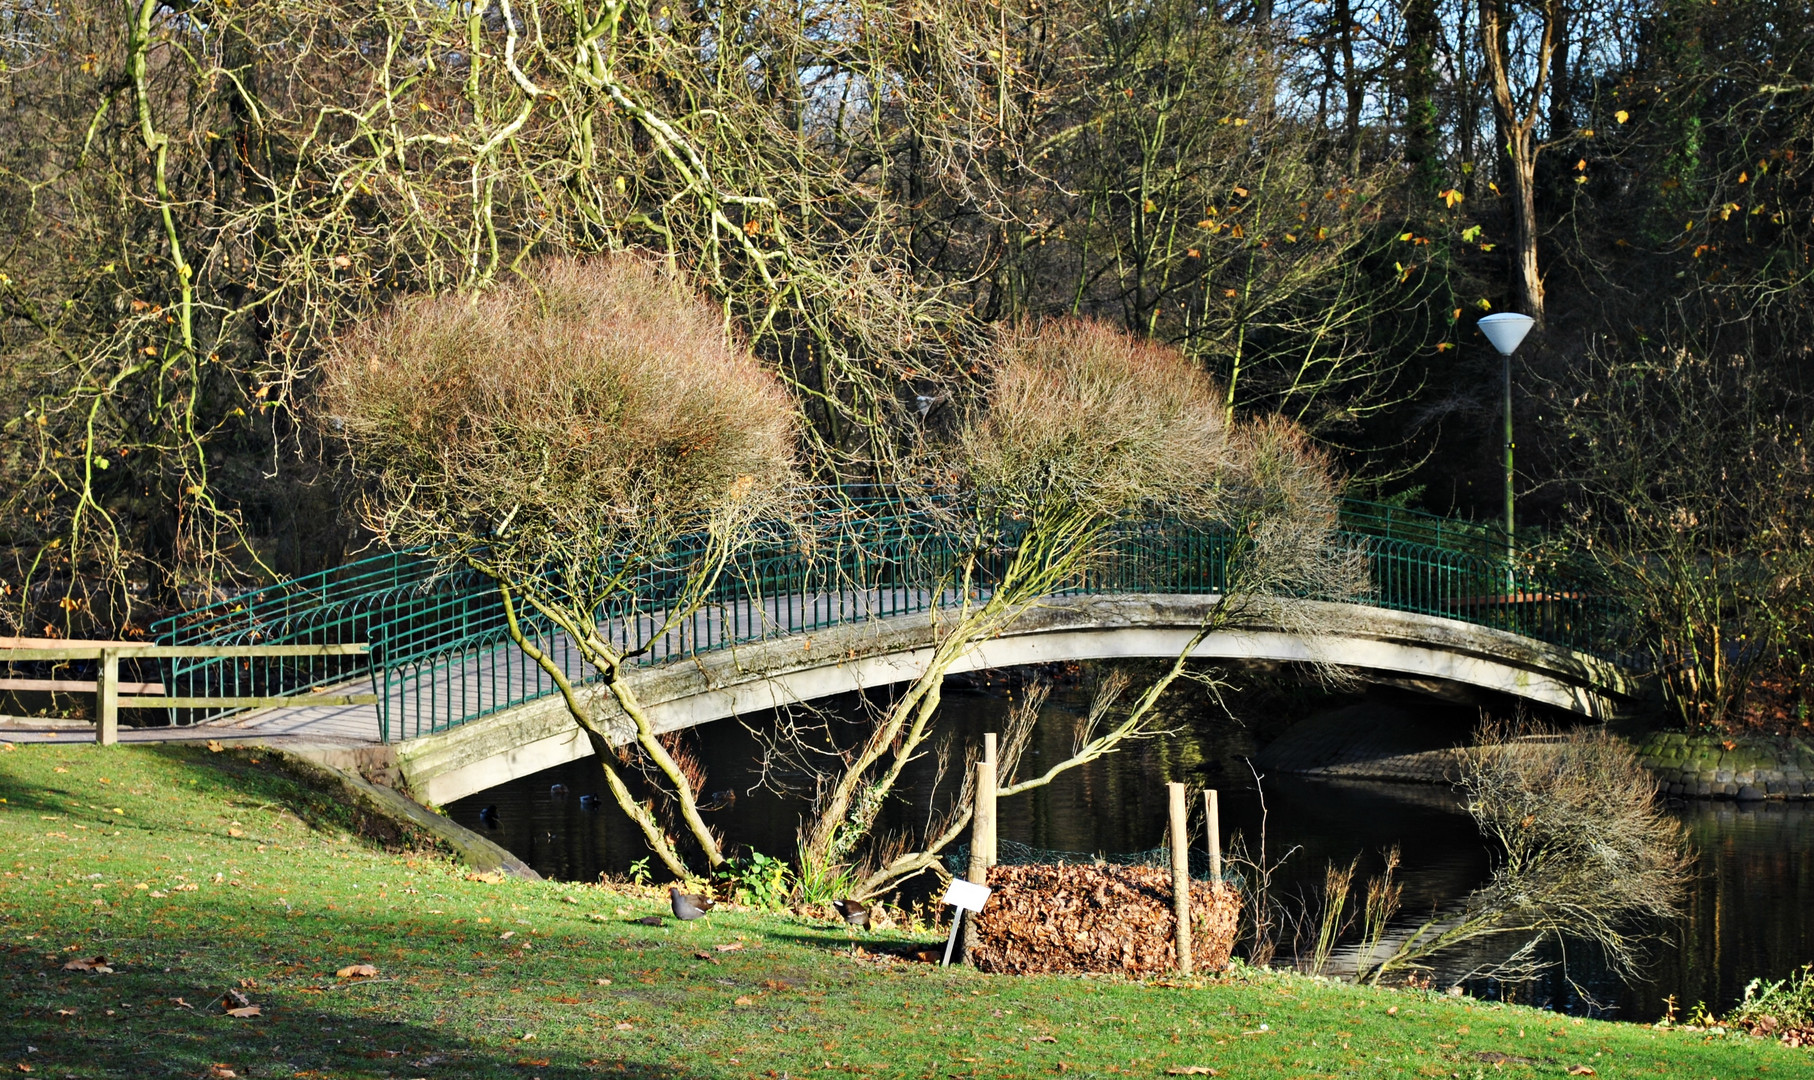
(1451, 198)
(1621, 116)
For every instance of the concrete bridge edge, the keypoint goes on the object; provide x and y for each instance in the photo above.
(774, 674)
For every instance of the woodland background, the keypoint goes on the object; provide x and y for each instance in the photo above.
(1315, 201)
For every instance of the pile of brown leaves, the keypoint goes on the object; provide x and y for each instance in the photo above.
(1106, 919)
(1770, 1027)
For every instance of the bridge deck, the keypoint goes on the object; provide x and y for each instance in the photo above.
(484, 681)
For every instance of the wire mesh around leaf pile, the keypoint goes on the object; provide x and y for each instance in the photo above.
(1010, 853)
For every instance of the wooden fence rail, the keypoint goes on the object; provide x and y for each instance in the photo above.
(107, 687)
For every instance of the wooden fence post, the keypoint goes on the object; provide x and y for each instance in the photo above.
(1180, 839)
(107, 699)
(982, 830)
(1212, 815)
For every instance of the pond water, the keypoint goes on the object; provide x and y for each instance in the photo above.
(1749, 912)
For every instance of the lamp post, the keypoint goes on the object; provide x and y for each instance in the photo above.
(1506, 331)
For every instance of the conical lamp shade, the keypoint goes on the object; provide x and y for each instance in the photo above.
(1506, 330)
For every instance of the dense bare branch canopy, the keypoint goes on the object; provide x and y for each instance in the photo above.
(1083, 415)
(587, 409)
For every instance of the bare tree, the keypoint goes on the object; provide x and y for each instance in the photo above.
(589, 437)
(1518, 79)
(1081, 428)
(1692, 495)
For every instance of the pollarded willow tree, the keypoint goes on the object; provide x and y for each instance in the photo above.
(1081, 430)
(588, 436)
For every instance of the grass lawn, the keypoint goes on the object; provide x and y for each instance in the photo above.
(193, 873)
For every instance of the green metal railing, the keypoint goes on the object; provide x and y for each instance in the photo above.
(441, 656)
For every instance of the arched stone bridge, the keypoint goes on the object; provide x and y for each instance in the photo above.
(462, 709)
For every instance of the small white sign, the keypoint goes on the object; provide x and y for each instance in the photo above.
(966, 895)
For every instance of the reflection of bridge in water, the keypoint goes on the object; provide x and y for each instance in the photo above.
(465, 709)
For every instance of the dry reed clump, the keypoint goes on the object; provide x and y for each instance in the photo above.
(584, 404)
(1587, 852)
(1581, 826)
(1044, 919)
(1084, 415)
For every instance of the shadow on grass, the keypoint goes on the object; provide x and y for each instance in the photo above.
(154, 1037)
(834, 942)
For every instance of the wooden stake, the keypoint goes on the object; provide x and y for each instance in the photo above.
(1180, 841)
(982, 829)
(1212, 814)
(107, 699)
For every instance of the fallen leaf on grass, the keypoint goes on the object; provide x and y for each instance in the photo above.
(236, 832)
(1191, 1070)
(23, 1067)
(215, 745)
(624, 1027)
(246, 1011)
(730, 947)
(495, 877)
(536, 1062)
(1045, 1038)
(745, 1001)
(66, 1012)
(1580, 1070)
(181, 1004)
(357, 971)
(221, 1072)
(98, 965)
(1494, 1057)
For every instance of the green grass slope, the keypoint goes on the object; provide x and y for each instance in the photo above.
(195, 873)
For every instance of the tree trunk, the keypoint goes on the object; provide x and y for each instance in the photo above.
(1561, 109)
(1521, 148)
(1421, 29)
(1516, 113)
(1354, 90)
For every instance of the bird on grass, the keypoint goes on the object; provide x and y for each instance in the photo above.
(854, 912)
(488, 817)
(689, 906)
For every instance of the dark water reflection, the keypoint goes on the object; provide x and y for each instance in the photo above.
(1750, 911)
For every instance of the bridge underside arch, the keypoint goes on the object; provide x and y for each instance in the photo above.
(775, 674)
